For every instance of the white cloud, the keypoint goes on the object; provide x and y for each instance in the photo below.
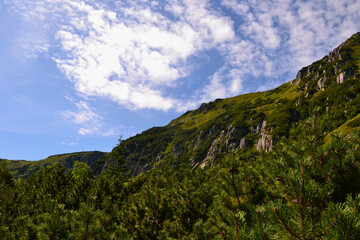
(223, 83)
(134, 51)
(83, 115)
(133, 54)
(238, 7)
(89, 122)
(280, 37)
(133, 58)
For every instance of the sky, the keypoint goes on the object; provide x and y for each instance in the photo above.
(77, 75)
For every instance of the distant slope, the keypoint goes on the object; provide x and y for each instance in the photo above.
(24, 168)
(257, 120)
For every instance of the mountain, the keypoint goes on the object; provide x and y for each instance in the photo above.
(253, 121)
(330, 86)
(307, 187)
(24, 169)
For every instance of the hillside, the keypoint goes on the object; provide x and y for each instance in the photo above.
(257, 120)
(24, 169)
(307, 187)
(253, 121)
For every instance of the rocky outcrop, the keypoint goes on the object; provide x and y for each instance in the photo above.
(178, 150)
(304, 72)
(321, 83)
(329, 66)
(234, 138)
(265, 142)
(206, 107)
(230, 139)
(244, 143)
(213, 150)
(343, 76)
(336, 53)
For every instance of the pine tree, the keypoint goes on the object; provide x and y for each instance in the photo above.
(237, 191)
(7, 190)
(301, 177)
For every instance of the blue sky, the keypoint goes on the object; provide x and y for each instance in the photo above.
(75, 75)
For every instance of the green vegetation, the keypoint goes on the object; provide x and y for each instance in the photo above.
(302, 189)
(151, 186)
(23, 169)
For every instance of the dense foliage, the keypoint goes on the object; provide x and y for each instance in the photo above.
(304, 189)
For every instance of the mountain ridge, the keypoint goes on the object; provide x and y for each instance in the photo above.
(24, 168)
(256, 120)
(253, 121)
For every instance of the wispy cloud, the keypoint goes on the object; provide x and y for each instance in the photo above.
(89, 122)
(290, 34)
(71, 143)
(276, 38)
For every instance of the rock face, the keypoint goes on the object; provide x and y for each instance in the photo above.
(321, 83)
(234, 138)
(265, 141)
(230, 139)
(343, 76)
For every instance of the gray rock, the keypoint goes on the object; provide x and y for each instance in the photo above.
(243, 143)
(265, 141)
(343, 76)
(321, 83)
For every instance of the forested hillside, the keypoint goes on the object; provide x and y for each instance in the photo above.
(302, 189)
(281, 164)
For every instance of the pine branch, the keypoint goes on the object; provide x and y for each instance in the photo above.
(263, 233)
(287, 228)
(347, 235)
(236, 229)
(235, 189)
(331, 224)
(293, 188)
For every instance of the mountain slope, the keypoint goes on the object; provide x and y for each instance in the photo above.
(253, 121)
(24, 168)
(257, 120)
